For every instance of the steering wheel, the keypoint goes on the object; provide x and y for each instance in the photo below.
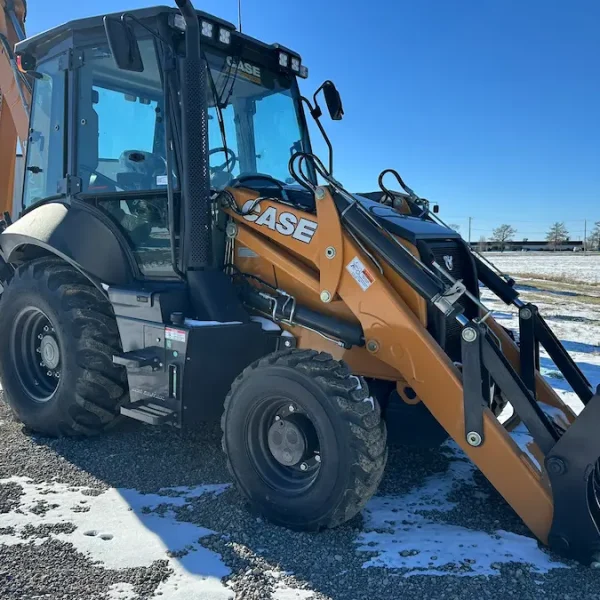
(230, 161)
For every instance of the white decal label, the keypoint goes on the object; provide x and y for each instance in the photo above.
(176, 335)
(360, 274)
(285, 223)
(244, 252)
(244, 69)
(162, 180)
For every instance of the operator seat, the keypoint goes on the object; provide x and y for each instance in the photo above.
(140, 170)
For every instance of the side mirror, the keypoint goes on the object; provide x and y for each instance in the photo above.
(333, 101)
(123, 44)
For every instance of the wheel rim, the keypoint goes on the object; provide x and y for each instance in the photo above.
(283, 444)
(36, 354)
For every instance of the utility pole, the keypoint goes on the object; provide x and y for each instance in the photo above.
(240, 15)
(470, 219)
(585, 236)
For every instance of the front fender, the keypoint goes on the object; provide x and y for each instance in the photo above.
(76, 233)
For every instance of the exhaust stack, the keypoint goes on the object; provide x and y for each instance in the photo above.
(197, 233)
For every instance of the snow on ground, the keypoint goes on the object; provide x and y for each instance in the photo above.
(406, 538)
(118, 529)
(572, 266)
(121, 591)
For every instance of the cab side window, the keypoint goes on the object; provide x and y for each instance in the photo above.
(45, 166)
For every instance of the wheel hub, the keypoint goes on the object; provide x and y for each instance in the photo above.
(286, 442)
(50, 352)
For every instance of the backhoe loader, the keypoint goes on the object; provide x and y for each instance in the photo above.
(181, 255)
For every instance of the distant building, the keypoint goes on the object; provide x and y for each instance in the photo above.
(528, 246)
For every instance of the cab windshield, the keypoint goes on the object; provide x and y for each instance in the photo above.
(261, 125)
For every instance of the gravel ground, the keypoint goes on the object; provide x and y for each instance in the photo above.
(263, 559)
(45, 560)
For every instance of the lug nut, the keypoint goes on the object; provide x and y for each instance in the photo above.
(49, 373)
(46, 328)
(318, 458)
(291, 408)
(303, 467)
(40, 336)
(277, 418)
(38, 350)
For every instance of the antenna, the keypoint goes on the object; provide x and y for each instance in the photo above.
(240, 15)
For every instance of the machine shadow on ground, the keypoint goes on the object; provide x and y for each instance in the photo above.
(148, 459)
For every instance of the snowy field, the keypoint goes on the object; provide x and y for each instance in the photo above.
(569, 267)
(144, 513)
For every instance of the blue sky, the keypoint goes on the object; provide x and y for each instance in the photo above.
(489, 107)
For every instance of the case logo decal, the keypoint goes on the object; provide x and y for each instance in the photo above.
(286, 223)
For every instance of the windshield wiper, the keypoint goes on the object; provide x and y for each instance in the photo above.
(218, 109)
(233, 80)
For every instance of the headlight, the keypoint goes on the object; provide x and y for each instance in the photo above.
(207, 29)
(224, 36)
(283, 59)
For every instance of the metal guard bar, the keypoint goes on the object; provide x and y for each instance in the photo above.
(572, 457)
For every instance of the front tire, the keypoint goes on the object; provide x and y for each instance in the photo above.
(58, 335)
(305, 443)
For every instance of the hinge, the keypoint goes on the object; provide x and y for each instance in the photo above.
(69, 185)
(6, 221)
(70, 61)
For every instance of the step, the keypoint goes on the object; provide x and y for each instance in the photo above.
(150, 413)
(137, 359)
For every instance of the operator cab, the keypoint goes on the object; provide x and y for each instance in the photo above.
(123, 127)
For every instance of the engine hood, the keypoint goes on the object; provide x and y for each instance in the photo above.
(412, 229)
(407, 227)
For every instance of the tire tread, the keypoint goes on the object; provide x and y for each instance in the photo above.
(92, 334)
(348, 394)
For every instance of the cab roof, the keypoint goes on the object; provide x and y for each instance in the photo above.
(41, 44)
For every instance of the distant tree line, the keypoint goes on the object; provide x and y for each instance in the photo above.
(556, 237)
(593, 241)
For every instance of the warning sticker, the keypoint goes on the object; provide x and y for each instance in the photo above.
(177, 335)
(360, 273)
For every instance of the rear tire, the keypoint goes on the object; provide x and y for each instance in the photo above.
(336, 420)
(58, 335)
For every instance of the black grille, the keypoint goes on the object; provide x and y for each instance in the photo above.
(454, 257)
(196, 187)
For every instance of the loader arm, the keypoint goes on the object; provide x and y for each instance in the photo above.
(538, 490)
(15, 97)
